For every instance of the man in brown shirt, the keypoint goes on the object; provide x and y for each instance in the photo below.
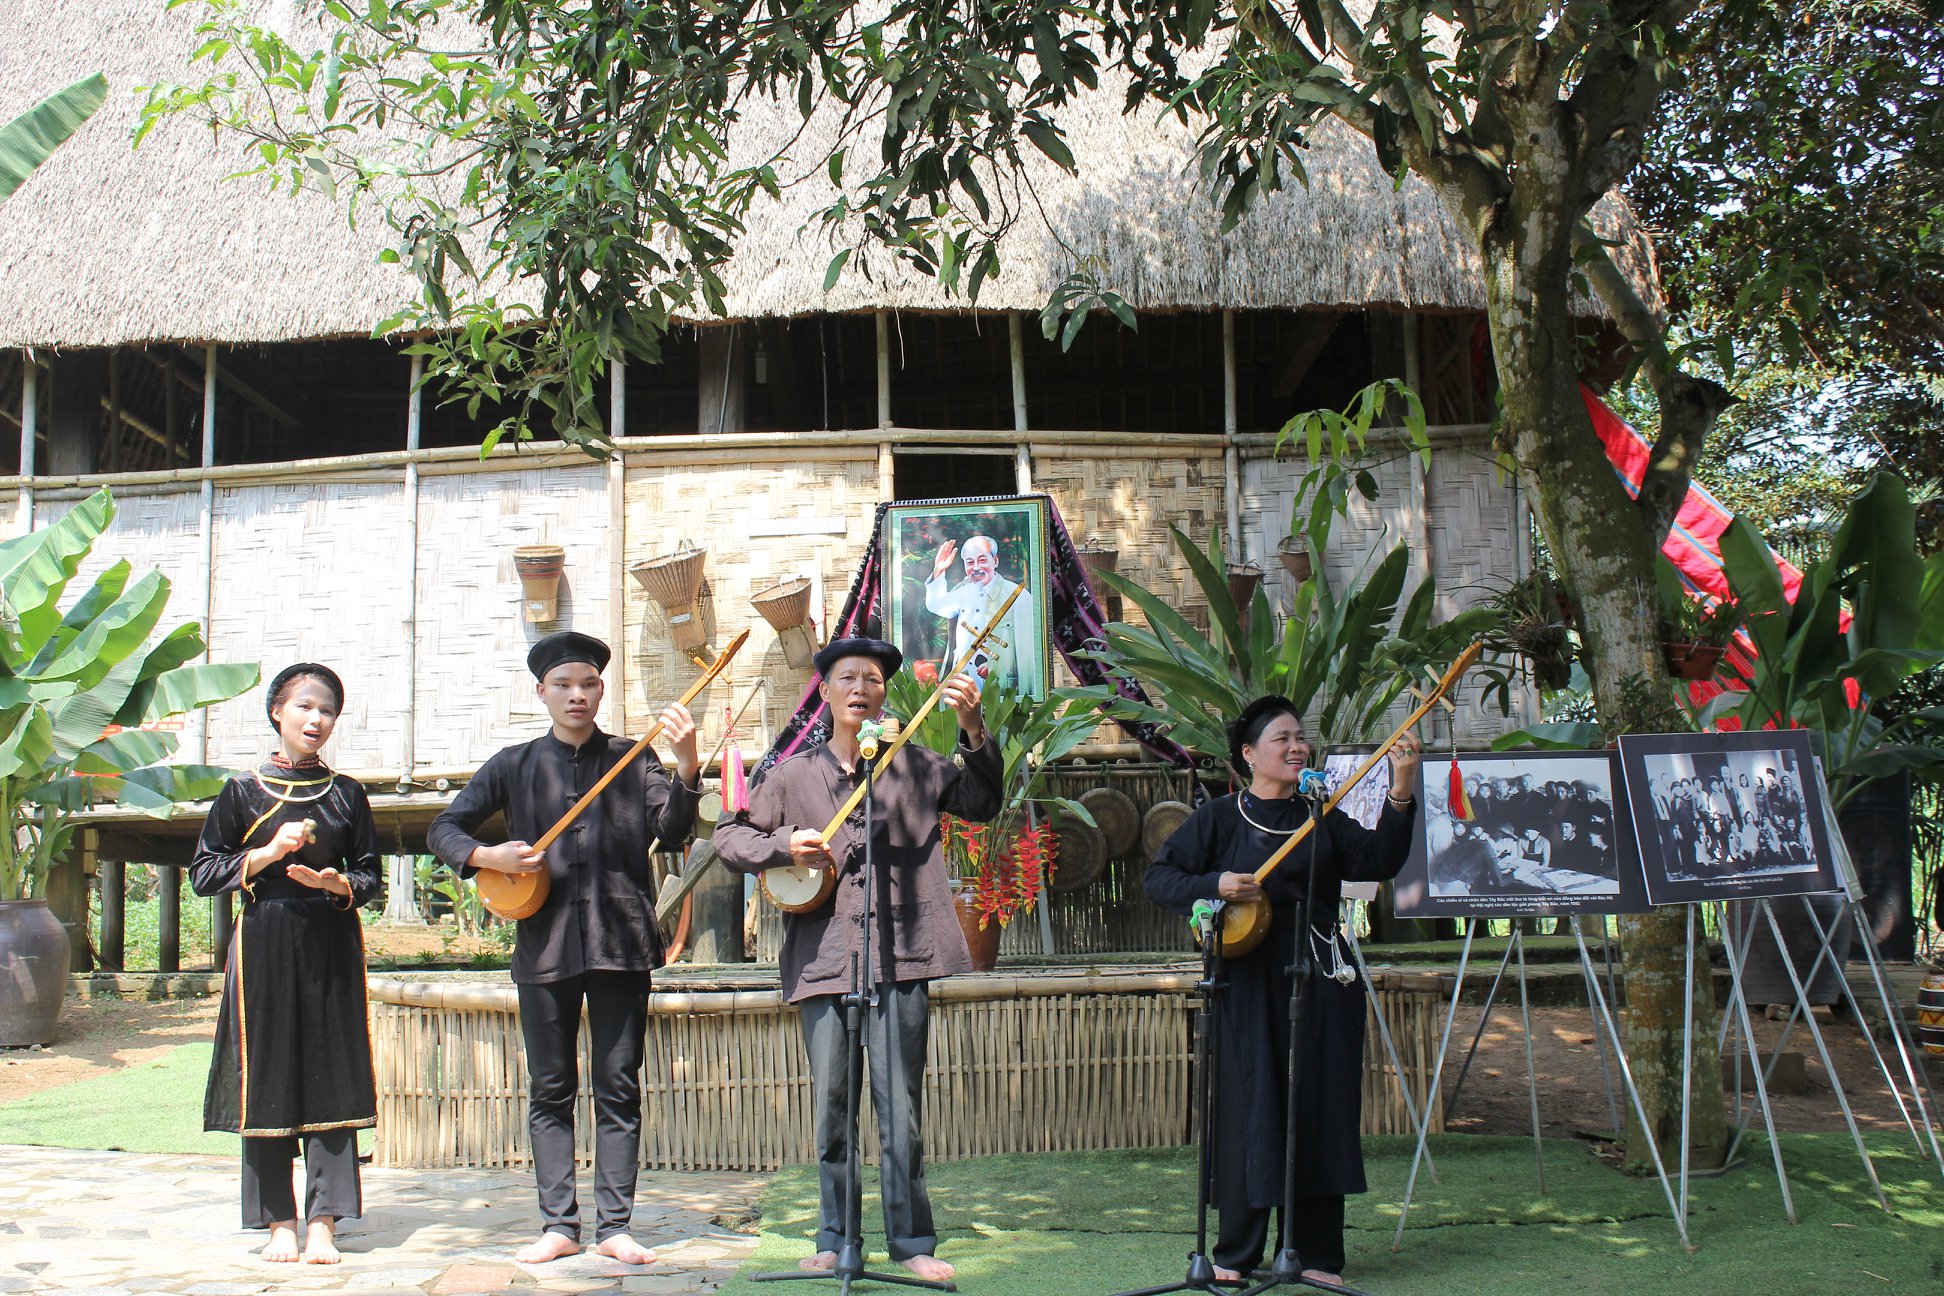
(916, 937)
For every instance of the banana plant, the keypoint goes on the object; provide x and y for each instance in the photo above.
(29, 139)
(1807, 664)
(84, 694)
(1338, 658)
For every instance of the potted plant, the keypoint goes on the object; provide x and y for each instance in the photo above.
(82, 694)
(1532, 621)
(999, 868)
(1695, 629)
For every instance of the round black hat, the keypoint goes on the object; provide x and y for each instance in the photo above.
(1248, 726)
(566, 646)
(314, 669)
(887, 655)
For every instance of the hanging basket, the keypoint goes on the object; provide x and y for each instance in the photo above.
(785, 605)
(539, 568)
(1692, 661)
(1294, 555)
(1243, 578)
(1098, 558)
(674, 580)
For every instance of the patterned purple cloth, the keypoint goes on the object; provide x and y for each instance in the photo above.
(1078, 626)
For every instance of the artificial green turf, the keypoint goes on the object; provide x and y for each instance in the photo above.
(1101, 1222)
(154, 1107)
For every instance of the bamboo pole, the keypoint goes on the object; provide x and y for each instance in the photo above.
(414, 430)
(1231, 458)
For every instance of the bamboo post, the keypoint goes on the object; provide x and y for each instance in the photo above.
(883, 370)
(206, 590)
(414, 432)
(29, 435)
(1231, 455)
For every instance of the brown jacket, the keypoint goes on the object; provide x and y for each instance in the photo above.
(924, 939)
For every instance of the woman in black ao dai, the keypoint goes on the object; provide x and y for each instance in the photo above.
(292, 1063)
(1213, 856)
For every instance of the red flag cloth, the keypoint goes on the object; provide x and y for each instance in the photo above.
(1693, 544)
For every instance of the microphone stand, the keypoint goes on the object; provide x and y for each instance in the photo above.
(1201, 1270)
(1287, 1271)
(863, 993)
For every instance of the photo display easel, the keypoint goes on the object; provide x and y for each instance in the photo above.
(1518, 835)
(1744, 818)
(1668, 819)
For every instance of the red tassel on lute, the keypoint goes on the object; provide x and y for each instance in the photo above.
(1460, 804)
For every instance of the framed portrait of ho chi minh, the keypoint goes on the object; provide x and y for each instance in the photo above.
(1729, 816)
(949, 566)
(1544, 832)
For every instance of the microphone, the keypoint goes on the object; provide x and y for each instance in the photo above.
(1312, 785)
(868, 735)
(1204, 915)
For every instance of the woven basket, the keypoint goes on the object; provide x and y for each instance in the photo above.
(784, 605)
(672, 580)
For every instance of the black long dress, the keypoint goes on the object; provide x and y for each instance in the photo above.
(1254, 1013)
(293, 1050)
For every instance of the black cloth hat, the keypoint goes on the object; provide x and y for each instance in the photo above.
(1249, 725)
(289, 673)
(566, 646)
(887, 655)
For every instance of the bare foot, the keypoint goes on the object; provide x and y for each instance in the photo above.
(1226, 1275)
(1335, 1280)
(320, 1243)
(930, 1268)
(282, 1246)
(548, 1246)
(821, 1262)
(625, 1249)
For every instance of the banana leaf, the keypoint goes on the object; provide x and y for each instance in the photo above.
(31, 138)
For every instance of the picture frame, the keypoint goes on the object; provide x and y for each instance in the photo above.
(1364, 802)
(1729, 816)
(1550, 833)
(940, 583)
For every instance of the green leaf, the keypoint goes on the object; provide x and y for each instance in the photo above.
(1047, 140)
(31, 138)
(35, 569)
(184, 689)
(1567, 735)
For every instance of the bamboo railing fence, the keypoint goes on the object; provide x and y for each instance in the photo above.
(1054, 1061)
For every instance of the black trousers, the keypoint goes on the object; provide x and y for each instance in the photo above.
(894, 1045)
(331, 1186)
(1316, 1232)
(617, 1016)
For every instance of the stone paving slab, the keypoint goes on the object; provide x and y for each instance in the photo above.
(114, 1224)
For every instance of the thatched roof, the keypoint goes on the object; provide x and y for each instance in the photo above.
(106, 245)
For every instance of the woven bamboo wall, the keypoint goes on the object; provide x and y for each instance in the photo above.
(1129, 498)
(762, 519)
(1456, 516)
(473, 694)
(312, 571)
(726, 1084)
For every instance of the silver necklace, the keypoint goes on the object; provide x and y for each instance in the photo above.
(1242, 808)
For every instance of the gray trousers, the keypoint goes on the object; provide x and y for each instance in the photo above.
(331, 1188)
(897, 1091)
(617, 1016)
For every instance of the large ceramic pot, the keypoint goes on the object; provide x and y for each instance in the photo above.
(982, 942)
(34, 957)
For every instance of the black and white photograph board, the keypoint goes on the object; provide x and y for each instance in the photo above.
(1728, 816)
(1364, 802)
(1548, 833)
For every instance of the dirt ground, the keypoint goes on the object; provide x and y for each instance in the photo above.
(96, 1036)
(99, 1035)
(1573, 1097)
